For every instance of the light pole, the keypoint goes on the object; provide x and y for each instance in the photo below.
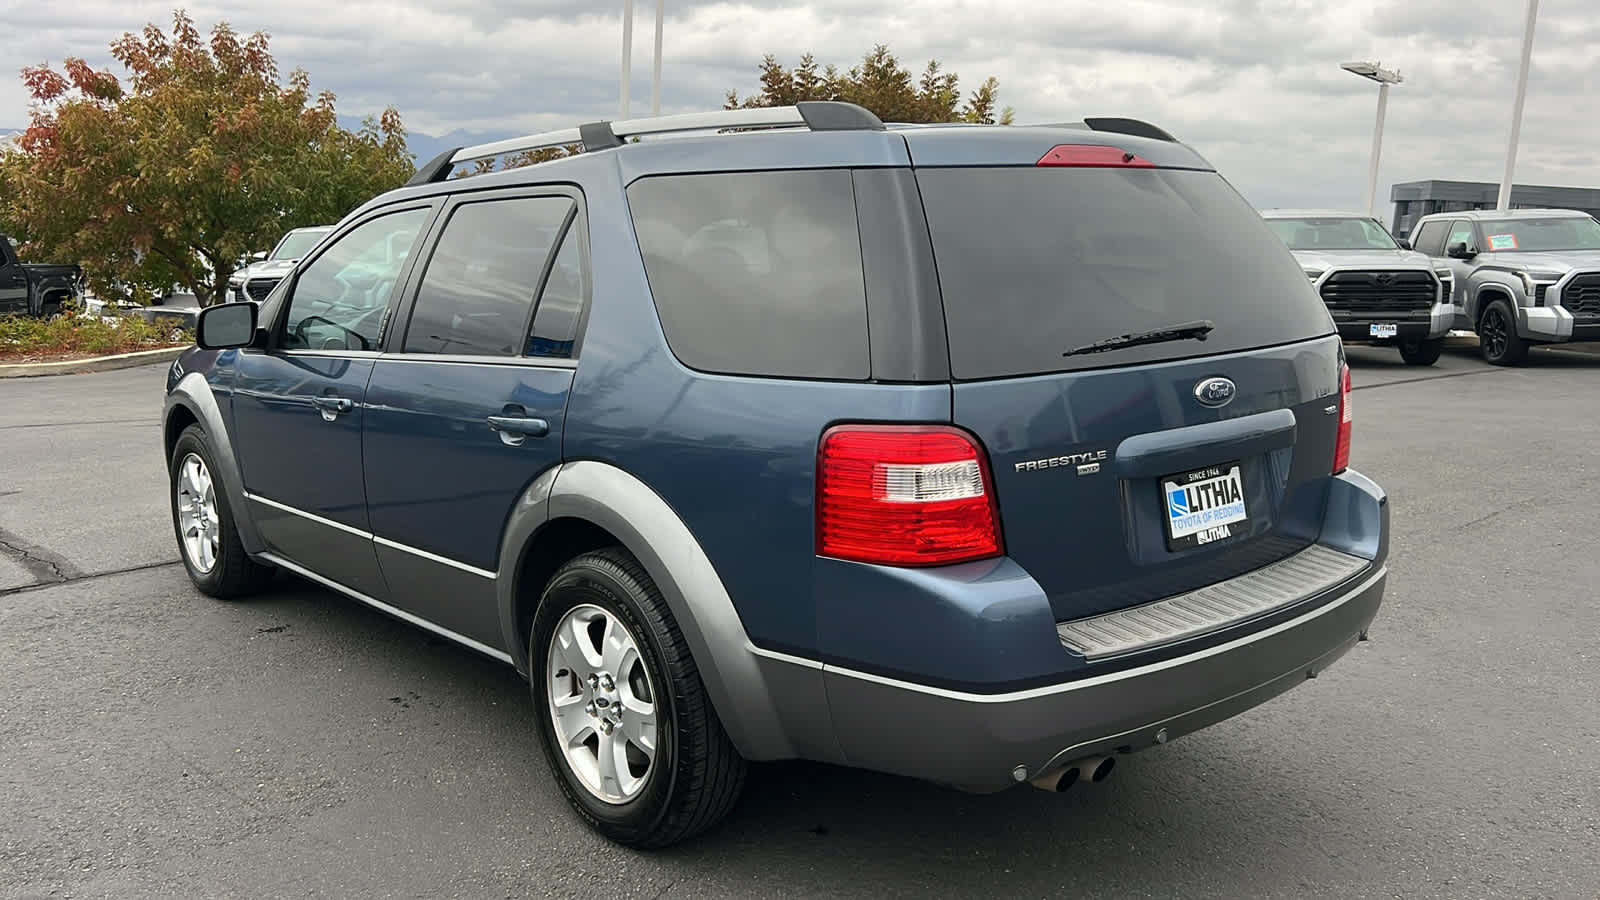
(1384, 78)
(1504, 202)
(627, 54)
(655, 80)
(627, 58)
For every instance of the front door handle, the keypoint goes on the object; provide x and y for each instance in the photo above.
(513, 430)
(331, 407)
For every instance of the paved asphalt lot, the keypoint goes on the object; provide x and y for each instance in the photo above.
(155, 742)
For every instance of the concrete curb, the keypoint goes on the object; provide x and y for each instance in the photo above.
(92, 364)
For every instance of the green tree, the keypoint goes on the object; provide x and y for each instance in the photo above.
(880, 84)
(204, 155)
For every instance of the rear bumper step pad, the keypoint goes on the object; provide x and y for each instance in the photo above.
(1213, 607)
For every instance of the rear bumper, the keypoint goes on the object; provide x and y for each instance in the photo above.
(977, 742)
(976, 737)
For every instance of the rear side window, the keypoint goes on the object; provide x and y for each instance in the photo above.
(756, 273)
(1034, 262)
(477, 294)
(1429, 238)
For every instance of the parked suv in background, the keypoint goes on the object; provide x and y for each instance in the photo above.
(1376, 289)
(255, 281)
(891, 448)
(1523, 276)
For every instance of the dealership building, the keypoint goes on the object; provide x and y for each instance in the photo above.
(1415, 199)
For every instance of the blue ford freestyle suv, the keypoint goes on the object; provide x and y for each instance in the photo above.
(975, 454)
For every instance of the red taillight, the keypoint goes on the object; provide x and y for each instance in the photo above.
(1341, 449)
(1093, 155)
(916, 495)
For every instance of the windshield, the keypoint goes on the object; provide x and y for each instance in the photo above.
(296, 244)
(1332, 234)
(1034, 262)
(1563, 233)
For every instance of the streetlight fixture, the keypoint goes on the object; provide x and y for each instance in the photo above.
(1504, 201)
(1384, 77)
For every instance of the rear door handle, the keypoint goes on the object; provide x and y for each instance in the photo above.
(514, 430)
(331, 407)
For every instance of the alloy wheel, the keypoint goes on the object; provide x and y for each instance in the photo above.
(196, 503)
(602, 703)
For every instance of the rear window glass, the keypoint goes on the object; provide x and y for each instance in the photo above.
(1034, 262)
(1330, 233)
(756, 273)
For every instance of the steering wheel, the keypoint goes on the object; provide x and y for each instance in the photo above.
(300, 332)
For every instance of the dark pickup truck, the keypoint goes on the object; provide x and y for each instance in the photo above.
(34, 289)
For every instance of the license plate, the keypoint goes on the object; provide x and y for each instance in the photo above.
(1383, 331)
(1203, 506)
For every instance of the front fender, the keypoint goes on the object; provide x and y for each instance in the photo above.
(1484, 285)
(193, 393)
(751, 691)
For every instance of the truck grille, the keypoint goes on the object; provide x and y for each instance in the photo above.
(259, 288)
(1582, 295)
(1379, 291)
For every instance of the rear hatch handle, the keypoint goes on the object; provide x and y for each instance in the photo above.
(1164, 452)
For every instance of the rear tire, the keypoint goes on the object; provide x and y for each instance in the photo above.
(652, 797)
(1421, 352)
(202, 521)
(1498, 340)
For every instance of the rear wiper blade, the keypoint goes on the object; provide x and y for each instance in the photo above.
(1183, 331)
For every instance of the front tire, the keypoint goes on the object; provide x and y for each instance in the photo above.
(628, 730)
(208, 540)
(1498, 340)
(1421, 352)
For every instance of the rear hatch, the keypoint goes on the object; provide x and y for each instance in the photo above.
(1128, 474)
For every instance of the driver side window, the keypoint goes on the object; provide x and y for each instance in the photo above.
(340, 298)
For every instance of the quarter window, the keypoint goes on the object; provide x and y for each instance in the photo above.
(757, 273)
(339, 300)
(477, 294)
(561, 303)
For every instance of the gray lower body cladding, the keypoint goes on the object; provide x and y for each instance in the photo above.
(976, 742)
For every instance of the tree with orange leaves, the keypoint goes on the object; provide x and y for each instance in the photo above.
(202, 156)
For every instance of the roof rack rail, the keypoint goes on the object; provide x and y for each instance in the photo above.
(1129, 126)
(816, 115)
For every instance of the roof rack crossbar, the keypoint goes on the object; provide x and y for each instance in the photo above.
(816, 116)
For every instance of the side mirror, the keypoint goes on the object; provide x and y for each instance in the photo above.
(226, 326)
(1459, 250)
(1404, 244)
(258, 256)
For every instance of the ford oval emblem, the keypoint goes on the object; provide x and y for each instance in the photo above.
(1215, 392)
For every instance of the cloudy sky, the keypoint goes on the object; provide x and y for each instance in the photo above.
(1254, 85)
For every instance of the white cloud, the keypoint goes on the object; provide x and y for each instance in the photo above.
(1253, 84)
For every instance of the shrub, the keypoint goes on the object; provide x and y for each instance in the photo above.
(71, 335)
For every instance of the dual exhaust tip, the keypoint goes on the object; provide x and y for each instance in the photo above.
(1093, 768)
